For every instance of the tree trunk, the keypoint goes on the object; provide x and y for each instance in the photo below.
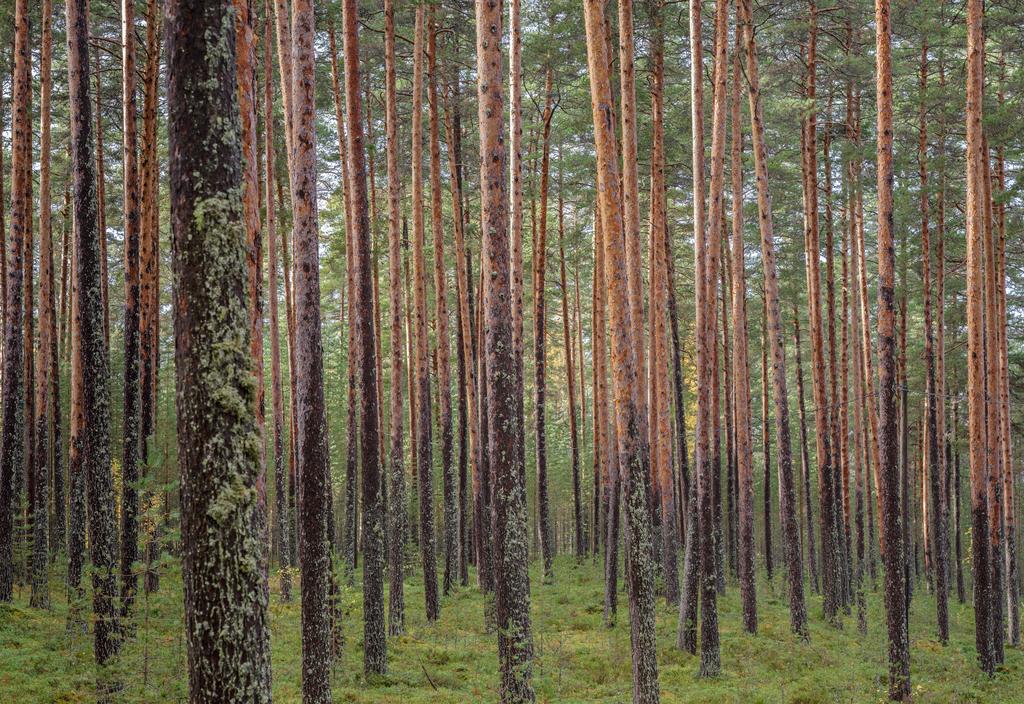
(40, 597)
(424, 442)
(14, 381)
(976, 408)
(92, 349)
(660, 438)
(892, 540)
(282, 528)
(933, 455)
(787, 499)
(313, 466)
(633, 451)
(805, 462)
(450, 488)
(217, 404)
(508, 515)
(579, 543)
(374, 639)
(830, 540)
(539, 335)
(766, 443)
(396, 457)
(149, 266)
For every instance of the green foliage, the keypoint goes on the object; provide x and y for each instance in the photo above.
(577, 658)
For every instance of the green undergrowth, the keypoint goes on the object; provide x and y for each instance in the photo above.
(578, 659)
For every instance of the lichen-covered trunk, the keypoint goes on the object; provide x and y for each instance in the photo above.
(12, 455)
(149, 266)
(396, 456)
(40, 597)
(508, 490)
(311, 448)
(374, 639)
(892, 538)
(218, 437)
(787, 494)
(92, 349)
(630, 427)
(132, 342)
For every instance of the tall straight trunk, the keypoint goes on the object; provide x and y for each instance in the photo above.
(101, 197)
(216, 403)
(579, 542)
(515, 110)
(687, 636)
(787, 498)
(766, 443)
(604, 468)
(348, 539)
(312, 449)
(892, 539)
(961, 596)
(631, 198)
(27, 474)
(149, 266)
(860, 451)
(282, 528)
(92, 348)
(539, 337)
(633, 451)
(830, 541)
(76, 474)
(424, 441)
(508, 515)
(805, 462)
(293, 411)
(746, 566)
(994, 440)
(942, 427)
(463, 280)
(660, 438)
(977, 160)
(1009, 556)
(934, 449)
(14, 382)
(444, 392)
(396, 456)
(40, 597)
(132, 293)
(374, 639)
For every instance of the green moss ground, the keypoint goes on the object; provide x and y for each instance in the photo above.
(578, 659)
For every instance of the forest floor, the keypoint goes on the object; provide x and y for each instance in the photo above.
(578, 659)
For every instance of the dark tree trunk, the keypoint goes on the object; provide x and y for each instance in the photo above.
(132, 341)
(92, 349)
(14, 381)
(892, 539)
(312, 448)
(374, 641)
(805, 462)
(508, 514)
(395, 462)
(217, 429)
